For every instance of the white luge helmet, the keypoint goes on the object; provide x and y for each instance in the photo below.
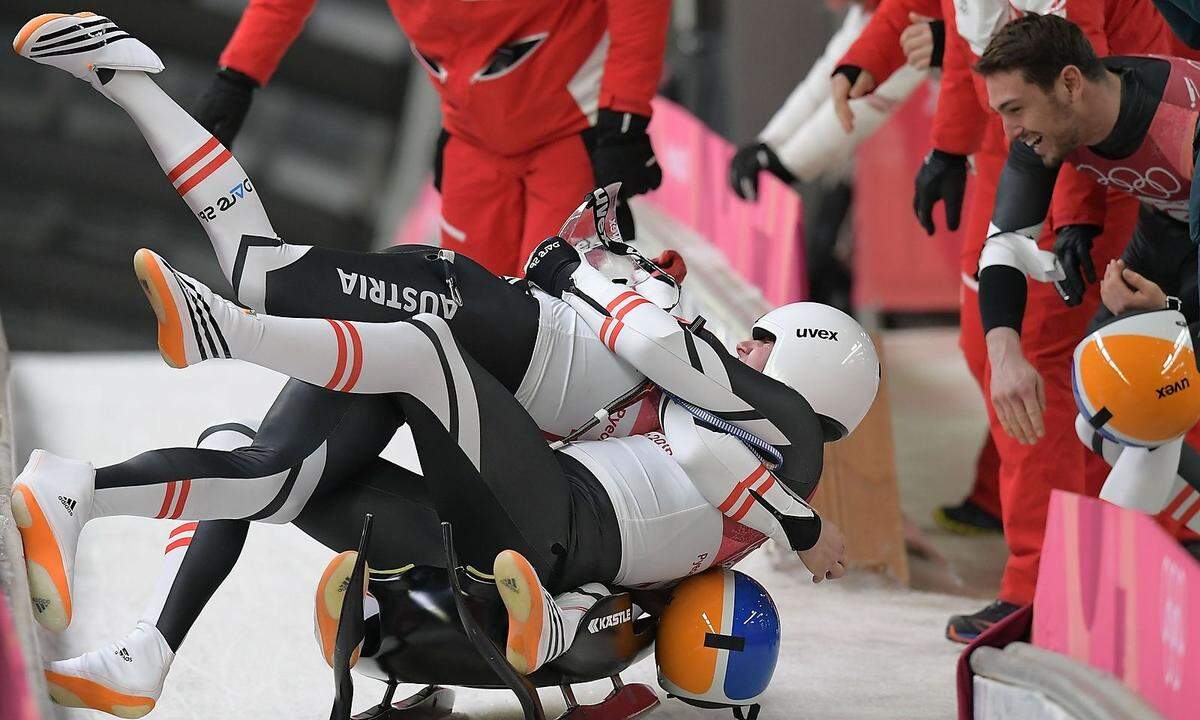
(826, 356)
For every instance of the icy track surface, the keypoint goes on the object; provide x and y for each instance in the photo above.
(852, 649)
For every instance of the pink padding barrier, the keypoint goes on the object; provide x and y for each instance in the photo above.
(15, 700)
(763, 241)
(897, 267)
(1116, 592)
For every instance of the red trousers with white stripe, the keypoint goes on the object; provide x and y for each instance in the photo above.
(1050, 331)
(497, 208)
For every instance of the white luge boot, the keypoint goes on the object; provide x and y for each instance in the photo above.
(540, 627)
(123, 679)
(83, 43)
(51, 501)
(194, 323)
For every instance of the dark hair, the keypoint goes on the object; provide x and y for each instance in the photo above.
(1040, 46)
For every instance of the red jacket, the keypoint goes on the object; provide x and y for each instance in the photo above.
(1120, 27)
(877, 49)
(572, 57)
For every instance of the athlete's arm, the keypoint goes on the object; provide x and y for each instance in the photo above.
(729, 475)
(654, 342)
(264, 34)
(1010, 253)
(813, 90)
(637, 33)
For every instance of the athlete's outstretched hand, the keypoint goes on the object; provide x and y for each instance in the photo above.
(550, 265)
(1018, 394)
(223, 107)
(1124, 290)
(827, 559)
(943, 176)
(1073, 247)
(748, 162)
(848, 83)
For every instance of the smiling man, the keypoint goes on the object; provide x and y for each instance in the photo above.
(1128, 121)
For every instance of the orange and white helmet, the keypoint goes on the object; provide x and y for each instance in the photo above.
(1135, 379)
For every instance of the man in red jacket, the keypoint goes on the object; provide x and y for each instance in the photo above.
(541, 102)
(1085, 223)
(1088, 226)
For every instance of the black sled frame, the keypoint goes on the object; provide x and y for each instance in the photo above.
(625, 702)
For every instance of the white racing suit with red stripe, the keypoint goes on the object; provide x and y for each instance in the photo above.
(693, 495)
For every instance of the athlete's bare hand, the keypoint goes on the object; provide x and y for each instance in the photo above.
(1018, 394)
(917, 41)
(842, 92)
(827, 559)
(1124, 290)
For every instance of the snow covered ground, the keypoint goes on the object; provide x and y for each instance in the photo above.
(853, 649)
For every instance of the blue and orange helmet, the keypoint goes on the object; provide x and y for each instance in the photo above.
(718, 640)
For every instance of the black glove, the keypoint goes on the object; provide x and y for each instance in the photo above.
(943, 176)
(746, 164)
(621, 152)
(938, 29)
(223, 107)
(1073, 246)
(550, 265)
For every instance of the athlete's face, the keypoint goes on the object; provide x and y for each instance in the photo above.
(1044, 120)
(755, 352)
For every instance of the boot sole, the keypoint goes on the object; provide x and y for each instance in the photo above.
(76, 692)
(520, 591)
(953, 636)
(149, 270)
(949, 524)
(49, 591)
(331, 594)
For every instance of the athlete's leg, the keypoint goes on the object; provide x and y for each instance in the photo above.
(410, 535)
(294, 280)
(246, 467)
(186, 585)
(212, 183)
(407, 531)
(495, 320)
(447, 398)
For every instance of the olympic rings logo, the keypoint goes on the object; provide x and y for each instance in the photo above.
(1158, 183)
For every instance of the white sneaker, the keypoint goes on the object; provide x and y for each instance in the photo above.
(540, 627)
(194, 323)
(124, 679)
(83, 43)
(51, 501)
